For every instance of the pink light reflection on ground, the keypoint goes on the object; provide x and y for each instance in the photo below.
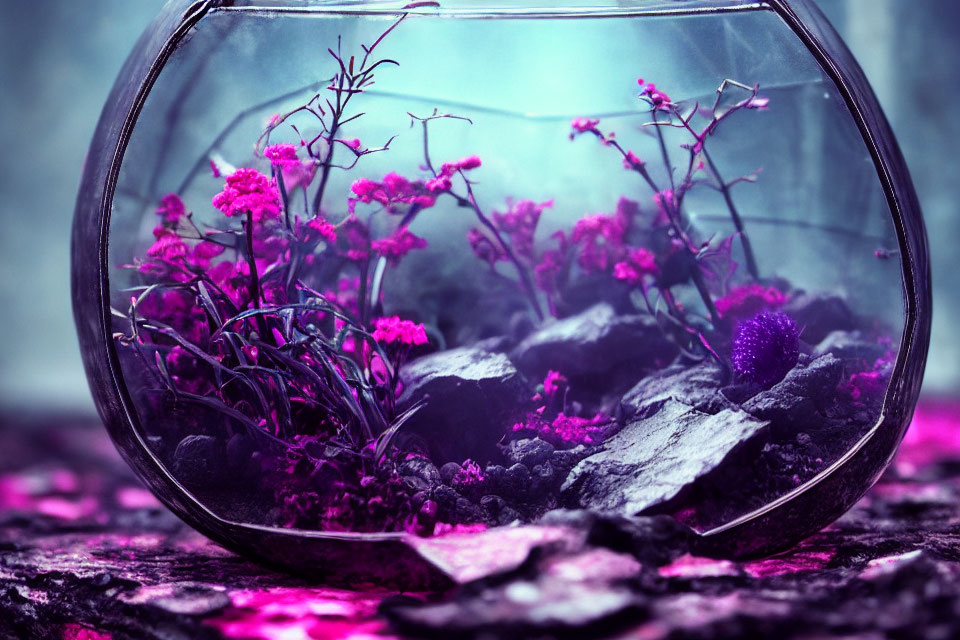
(78, 632)
(933, 435)
(302, 613)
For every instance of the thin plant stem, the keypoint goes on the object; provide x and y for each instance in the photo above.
(735, 216)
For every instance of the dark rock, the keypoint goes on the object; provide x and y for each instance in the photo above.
(697, 386)
(850, 345)
(565, 459)
(466, 512)
(653, 459)
(543, 479)
(528, 451)
(498, 511)
(449, 471)
(446, 499)
(516, 482)
(508, 515)
(819, 314)
(419, 474)
(471, 397)
(593, 343)
(492, 505)
(495, 475)
(653, 540)
(199, 461)
(794, 401)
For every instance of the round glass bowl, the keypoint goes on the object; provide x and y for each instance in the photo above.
(351, 273)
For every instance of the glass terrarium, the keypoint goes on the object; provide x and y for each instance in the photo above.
(350, 273)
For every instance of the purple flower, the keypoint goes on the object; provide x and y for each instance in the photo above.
(766, 347)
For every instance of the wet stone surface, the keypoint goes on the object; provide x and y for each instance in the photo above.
(86, 553)
(651, 460)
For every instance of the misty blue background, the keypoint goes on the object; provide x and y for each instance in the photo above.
(58, 60)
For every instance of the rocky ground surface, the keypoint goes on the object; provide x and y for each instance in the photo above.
(87, 554)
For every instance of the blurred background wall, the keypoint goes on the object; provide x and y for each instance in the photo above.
(58, 60)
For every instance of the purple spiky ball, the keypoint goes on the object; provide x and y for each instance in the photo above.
(766, 347)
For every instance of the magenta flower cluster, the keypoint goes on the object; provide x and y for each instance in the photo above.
(393, 330)
(248, 191)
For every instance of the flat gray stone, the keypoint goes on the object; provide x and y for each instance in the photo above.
(697, 386)
(652, 459)
(796, 399)
(594, 342)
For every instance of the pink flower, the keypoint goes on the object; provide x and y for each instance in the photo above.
(758, 102)
(393, 330)
(282, 155)
(600, 239)
(215, 170)
(547, 270)
(168, 247)
(639, 264)
(469, 474)
(367, 190)
(484, 247)
(396, 185)
(324, 228)
(553, 383)
(866, 384)
(657, 98)
(573, 430)
(353, 144)
(584, 125)
(204, 252)
(748, 300)
(249, 191)
(399, 244)
(394, 190)
(667, 205)
(171, 209)
(440, 183)
(565, 431)
(295, 173)
(520, 223)
(631, 161)
(357, 238)
(463, 164)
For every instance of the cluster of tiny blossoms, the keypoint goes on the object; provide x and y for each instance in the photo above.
(393, 330)
(248, 191)
(551, 423)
